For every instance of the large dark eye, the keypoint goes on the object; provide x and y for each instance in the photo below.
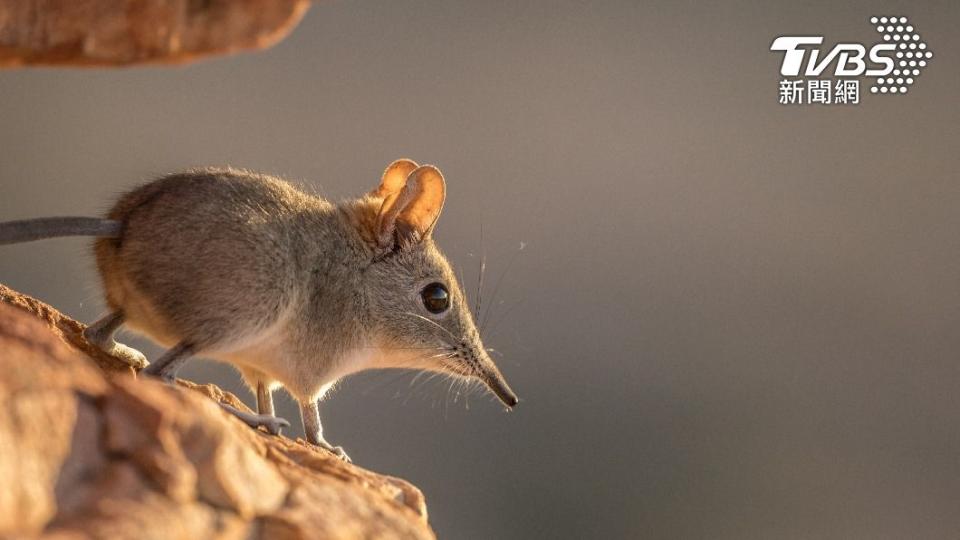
(435, 298)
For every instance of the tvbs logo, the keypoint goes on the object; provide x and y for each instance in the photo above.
(893, 63)
(849, 57)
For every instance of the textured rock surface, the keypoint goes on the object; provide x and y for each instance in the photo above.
(89, 451)
(105, 32)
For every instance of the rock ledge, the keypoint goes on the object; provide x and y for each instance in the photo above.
(89, 451)
(128, 32)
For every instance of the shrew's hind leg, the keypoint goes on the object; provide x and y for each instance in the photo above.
(167, 366)
(272, 423)
(266, 418)
(100, 335)
(310, 413)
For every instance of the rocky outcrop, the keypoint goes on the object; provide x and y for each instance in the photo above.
(119, 32)
(88, 450)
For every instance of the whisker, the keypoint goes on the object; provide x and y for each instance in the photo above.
(389, 380)
(496, 287)
(483, 267)
(449, 333)
(462, 382)
(450, 390)
(433, 374)
(441, 355)
(505, 315)
(404, 348)
(406, 370)
(411, 388)
(414, 380)
(416, 383)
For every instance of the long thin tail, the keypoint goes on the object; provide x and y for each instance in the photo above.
(28, 230)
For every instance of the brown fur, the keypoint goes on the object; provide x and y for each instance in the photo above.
(293, 290)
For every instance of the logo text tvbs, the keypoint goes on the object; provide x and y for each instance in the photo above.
(851, 59)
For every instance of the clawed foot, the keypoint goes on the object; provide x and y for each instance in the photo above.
(128, 355)
(335, 450)
(273, 424)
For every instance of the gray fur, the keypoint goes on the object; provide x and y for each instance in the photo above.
(291, 289)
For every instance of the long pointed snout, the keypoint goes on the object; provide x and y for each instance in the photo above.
(494, 380)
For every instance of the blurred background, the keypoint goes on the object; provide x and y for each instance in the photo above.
(730, 319)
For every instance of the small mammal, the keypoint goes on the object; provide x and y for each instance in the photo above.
(291, 289)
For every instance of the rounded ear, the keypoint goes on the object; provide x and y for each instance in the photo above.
(429, 192)
(395, 177)
(408, 217)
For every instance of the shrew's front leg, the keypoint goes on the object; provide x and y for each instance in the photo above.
(264, 399)
(310, 413)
